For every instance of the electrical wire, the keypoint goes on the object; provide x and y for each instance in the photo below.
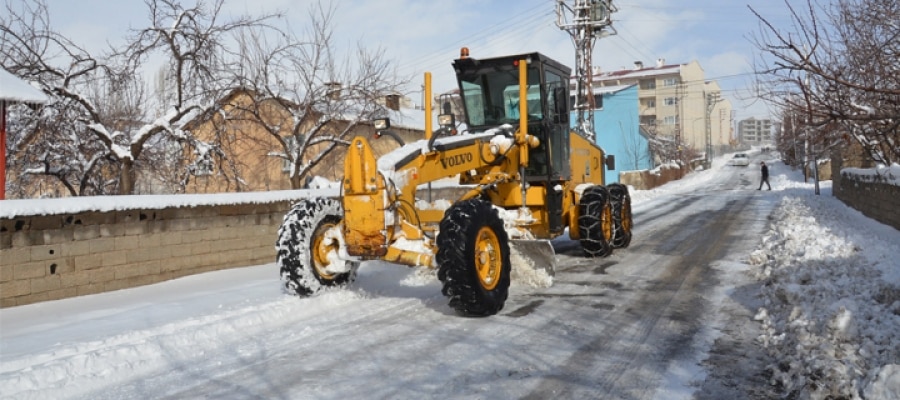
(509, 28)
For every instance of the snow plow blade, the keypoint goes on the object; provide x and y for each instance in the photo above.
(533, 262)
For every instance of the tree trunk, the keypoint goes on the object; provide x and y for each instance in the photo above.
(296, 182)
(126, 177)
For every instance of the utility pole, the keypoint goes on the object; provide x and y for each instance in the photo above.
(806, 127)
(585, 21)
(711, 100)
(807, 130)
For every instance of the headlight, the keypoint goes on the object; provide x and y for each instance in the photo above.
(446, 120)
(382, 124)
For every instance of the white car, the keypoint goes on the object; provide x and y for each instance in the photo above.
(739, 159)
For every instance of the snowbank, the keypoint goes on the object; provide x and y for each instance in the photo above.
(831, 291)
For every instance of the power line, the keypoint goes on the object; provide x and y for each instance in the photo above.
(511, 30)
(623, 29)
(519, 22)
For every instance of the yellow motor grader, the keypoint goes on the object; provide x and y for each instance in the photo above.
(529, 178)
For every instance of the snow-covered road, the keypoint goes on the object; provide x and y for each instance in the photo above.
(670, 317)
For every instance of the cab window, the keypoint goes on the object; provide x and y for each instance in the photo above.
(492, 97)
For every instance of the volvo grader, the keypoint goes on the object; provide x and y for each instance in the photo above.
(526, 176)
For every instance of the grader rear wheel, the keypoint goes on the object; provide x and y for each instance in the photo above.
(621, 212)
(473, 255)
(307, 246)
(595, 222)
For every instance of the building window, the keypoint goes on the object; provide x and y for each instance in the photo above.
(671, 101)
(670, 81)
(649, 103)
(648, 120)
(671, 120)
(648, 84)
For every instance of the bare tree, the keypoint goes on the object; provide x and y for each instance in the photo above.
(667, 148)
(194, 43)
(66, 152)
(49, 168)
(307, 100)
(789, 141)
(635, 150)
(54, 146)
(838, 64)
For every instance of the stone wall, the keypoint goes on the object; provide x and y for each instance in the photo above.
(877, 200)
(48, 257)
(644, 179)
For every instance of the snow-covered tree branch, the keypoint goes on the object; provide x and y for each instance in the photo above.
(102, 95)
(837, 65)
(307, 100)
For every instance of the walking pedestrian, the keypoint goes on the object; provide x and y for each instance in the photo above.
(765, 175)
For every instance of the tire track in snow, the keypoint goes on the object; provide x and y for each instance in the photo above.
(630, 351)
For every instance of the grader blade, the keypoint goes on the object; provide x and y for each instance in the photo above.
(533, 262)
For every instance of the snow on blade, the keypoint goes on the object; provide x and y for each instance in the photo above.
(524, 271)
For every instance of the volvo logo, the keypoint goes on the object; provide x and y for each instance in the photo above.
(458, 159)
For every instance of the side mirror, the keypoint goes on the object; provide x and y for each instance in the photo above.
(610, 162)
(382, 127)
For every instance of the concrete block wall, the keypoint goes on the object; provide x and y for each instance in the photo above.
(49, 257)
(877, 200)
(644, 179)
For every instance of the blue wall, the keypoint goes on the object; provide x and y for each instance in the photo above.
(616, 127)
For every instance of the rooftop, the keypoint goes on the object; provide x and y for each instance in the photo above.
(14, 89)
(639, 72)
(611, 89)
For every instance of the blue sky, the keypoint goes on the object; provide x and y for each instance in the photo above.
(426, 35)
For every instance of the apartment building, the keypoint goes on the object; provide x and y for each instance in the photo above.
(675, 100)
(754, 131)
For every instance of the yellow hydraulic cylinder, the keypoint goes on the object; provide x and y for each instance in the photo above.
(523, 114)
(428, 128)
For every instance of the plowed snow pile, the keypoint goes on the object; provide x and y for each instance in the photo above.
(832, 301)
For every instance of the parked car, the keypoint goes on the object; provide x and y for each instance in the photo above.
(739, 159)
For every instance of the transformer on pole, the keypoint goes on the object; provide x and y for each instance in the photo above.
(585, 21)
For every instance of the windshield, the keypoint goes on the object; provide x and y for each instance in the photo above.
(492, 98)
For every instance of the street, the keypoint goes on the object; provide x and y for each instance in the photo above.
(670, 317)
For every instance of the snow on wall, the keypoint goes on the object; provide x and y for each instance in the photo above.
(889, 175)
(69, 205)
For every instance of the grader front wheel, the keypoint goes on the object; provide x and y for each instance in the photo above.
(307, 248)
(473, 255)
